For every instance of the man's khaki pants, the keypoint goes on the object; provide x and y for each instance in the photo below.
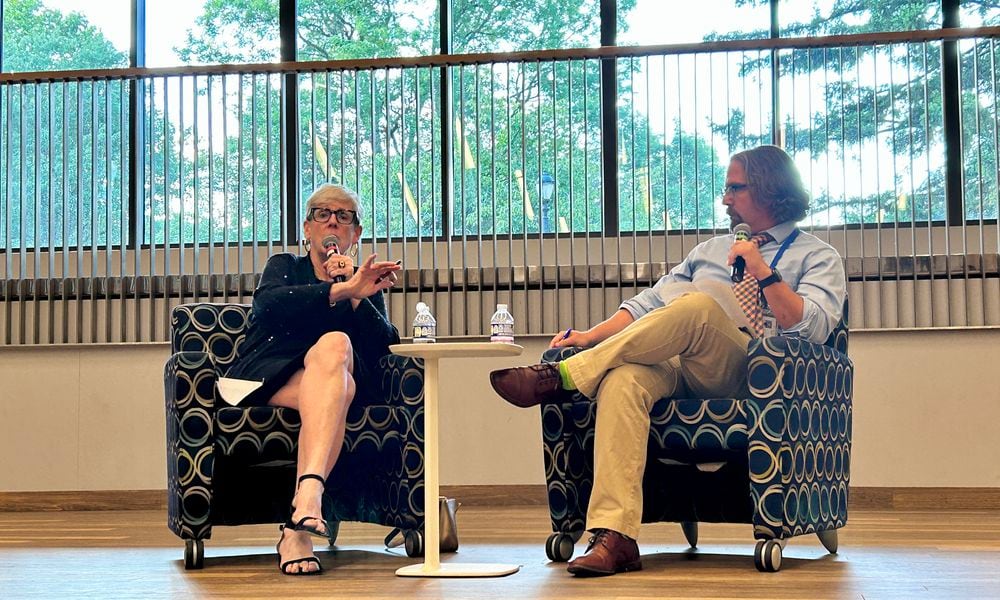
(689, 348)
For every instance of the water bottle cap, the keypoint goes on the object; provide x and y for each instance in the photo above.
(422, 307)
(501, 307)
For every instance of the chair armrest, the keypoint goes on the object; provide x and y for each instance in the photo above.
(799, 421)
(402, 380)
(403, 391)
(189, 389)
(787, 367)
(778, 366)
(568, 446)
(189, 381)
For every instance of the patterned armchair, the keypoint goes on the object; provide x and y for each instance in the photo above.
(779, 460)
(232, 466)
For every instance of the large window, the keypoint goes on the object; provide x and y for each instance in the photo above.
(681, 116)
(212, 159)
(980, 96)
(57, 35)
(211, 169)
(376, 132)
(63, 145)
(516, 25)
(832, 17)
(527, 148)
(526, 138)
(651, 22)
(202, 32)
(372, 131)
(337, 29)
(524, 134)
(146, 183)
(977, 13)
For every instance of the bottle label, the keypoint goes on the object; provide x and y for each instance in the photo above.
(423, 333)
(501, 332)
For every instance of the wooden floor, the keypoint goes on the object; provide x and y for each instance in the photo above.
(131, 554)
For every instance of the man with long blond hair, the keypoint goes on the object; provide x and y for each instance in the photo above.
(687, 336)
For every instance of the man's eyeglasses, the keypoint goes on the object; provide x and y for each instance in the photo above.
(344, 216)
(734, 188)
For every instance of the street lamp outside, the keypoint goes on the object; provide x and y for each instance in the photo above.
(548, 187)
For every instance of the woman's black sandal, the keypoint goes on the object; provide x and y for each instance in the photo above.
(283, 566)
(300, 525)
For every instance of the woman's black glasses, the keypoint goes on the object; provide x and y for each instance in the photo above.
(344, 216)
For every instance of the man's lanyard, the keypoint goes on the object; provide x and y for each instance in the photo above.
(784, 246)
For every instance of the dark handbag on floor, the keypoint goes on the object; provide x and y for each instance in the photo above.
(448, 519)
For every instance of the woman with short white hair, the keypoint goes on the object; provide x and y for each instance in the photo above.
(317, 329)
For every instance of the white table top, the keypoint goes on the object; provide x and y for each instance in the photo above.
(456, 349)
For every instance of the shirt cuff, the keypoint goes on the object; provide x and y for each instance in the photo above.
(809, 326)
(633, 309)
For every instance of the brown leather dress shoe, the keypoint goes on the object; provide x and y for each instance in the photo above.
(529, 386)
(608, 552)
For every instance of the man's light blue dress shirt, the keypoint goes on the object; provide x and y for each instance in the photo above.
(809, 265)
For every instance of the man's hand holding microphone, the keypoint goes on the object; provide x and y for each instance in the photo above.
(745, 256)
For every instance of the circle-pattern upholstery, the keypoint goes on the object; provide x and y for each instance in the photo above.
(795, 431)
(378, 478)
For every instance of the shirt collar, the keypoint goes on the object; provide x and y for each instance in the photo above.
(781, 231)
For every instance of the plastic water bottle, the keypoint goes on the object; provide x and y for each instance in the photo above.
(424, 325)
(502, 325)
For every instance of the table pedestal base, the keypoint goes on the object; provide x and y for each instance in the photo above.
(458, 570)
(432, 354)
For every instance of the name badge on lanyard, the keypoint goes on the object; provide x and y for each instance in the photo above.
(770, 321)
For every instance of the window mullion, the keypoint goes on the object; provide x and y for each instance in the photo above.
(609, 117)
(289, 134)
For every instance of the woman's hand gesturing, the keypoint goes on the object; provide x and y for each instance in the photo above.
(373, 277)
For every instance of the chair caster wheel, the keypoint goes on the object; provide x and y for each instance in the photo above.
(413, 541)
(194, 554)
(767, 556)
(559, 547)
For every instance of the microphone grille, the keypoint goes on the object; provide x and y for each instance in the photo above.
(331, 241)
(741, 231)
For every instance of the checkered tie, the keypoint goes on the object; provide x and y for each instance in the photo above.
(748, 293)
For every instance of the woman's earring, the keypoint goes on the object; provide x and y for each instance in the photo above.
(353, 252)
(308, 245)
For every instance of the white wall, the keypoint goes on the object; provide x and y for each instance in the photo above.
(91, 418)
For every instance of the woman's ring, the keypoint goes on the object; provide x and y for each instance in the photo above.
(341, 264)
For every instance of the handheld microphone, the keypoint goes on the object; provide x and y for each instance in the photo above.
(742, 234)
(331, 244)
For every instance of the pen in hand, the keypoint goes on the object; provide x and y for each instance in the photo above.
(381, 277)
(568, 331)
